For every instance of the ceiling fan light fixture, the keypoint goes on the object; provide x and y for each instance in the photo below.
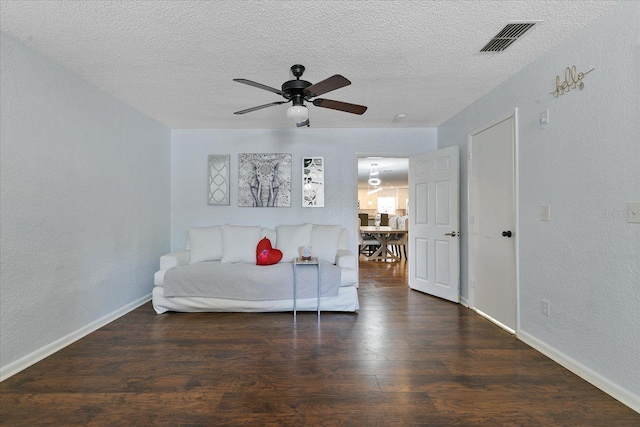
(298, 113)
(374, 179)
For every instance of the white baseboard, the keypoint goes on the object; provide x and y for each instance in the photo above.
(464, 302)
(46, 351)
(495, 321)
(614, 390)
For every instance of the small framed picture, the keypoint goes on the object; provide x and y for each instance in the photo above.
(218, 180)
(313, 182)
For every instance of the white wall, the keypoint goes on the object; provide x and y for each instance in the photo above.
(85, 204)
(190, 148)
(586, 166)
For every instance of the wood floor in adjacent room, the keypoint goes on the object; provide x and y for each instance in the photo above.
(405, 359)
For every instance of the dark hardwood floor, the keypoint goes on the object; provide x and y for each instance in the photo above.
(405, 359)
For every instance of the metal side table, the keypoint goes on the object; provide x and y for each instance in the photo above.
(296, 263)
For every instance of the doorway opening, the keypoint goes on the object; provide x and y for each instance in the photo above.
(383, 185)
(383, 194)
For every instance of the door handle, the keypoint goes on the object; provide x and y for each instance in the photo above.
(452, 234)
(506, 233)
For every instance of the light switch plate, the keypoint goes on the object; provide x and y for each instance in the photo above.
(545, 308)
(545, 213)
(544, 118)
(633, 212)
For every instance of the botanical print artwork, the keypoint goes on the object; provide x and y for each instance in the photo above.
(313, 182)
(264, 179)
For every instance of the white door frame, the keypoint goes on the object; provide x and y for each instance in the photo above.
(516, 204)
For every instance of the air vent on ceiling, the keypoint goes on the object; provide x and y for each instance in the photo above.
(506, 36)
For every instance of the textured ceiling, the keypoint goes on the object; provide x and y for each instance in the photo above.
(175, 60)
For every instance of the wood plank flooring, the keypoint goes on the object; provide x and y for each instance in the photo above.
(405, 359)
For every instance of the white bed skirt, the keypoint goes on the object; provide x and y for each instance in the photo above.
(346, 300)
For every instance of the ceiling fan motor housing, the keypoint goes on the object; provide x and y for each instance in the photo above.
(294, 89)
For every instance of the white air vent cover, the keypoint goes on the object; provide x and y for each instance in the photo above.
(510, 33)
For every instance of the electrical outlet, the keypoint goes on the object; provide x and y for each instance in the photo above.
(545, 308)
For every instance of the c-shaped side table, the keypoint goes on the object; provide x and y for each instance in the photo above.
(296, 263)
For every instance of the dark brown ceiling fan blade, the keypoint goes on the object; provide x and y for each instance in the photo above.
(327, 85)
(260, 107)
(258, 85)
(339, 105)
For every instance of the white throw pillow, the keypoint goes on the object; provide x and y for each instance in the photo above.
(205, 243)
(239, 243)
(324, 241)
(289, 239)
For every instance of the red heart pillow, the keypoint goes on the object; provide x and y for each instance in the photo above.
(266, 254)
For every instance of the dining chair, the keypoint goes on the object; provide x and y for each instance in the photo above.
(368, 244)
(399, 242)
(384, 220)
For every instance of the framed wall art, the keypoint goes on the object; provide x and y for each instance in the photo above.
(218, 180)
(313, 182)
(264, 180)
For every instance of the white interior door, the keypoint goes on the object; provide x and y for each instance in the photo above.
(434, 248)
(492, 223)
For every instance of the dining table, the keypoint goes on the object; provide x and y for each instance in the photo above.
(382, 234)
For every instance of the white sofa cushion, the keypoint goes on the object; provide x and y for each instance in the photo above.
(239, 243)
(269, 234)
(206, 244)
(324, 241)
(174, 259)
(289, 239)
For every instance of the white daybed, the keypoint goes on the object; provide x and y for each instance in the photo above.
(228, 244)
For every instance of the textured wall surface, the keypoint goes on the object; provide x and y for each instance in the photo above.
(84, 202)
(586, 166)
(339, 148)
